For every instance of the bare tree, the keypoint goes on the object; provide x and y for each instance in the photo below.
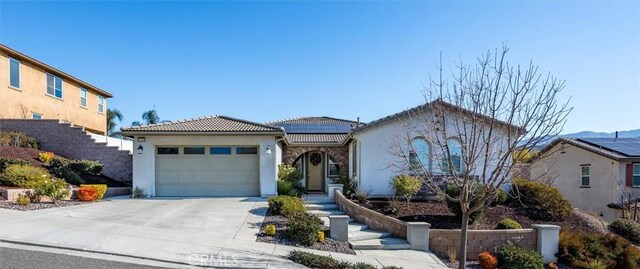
(472, 124)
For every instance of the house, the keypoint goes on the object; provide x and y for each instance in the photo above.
(31, 89)
(225, 156)
(592, 172)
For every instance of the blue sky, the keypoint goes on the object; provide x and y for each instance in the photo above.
(265, 61)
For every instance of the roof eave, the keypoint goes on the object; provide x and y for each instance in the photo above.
(134, 133)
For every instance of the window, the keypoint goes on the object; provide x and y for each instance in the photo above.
(636, 174)
(333, 168)
(54, 86)
(220, 151)
(585, 175)
(354, 159)
(193, 150)
(455, 153)
(36, 116)
(420, 155)
(14, 73)
(83, 97)
(100, 104)
(246, 150)
(167, 150)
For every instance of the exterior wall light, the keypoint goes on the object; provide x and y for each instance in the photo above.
(268, 149)
(140, 149)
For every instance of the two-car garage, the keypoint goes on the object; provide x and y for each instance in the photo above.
(207, 171)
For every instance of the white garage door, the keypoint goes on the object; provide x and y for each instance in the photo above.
(207, 171)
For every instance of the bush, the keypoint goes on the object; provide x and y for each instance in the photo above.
(286, 188)
(285, 205)
(501, 197)
(70, 176)
(54, 189)
(270, 230)
(406, 185)
(23, 200)
(362, 195)
(486, 260)
(22, 175)
(17, 139)
(455, 208)
(596, 264)
(86, 167)
(325, 262)
(545, 198)
(101, 189)
(514, 257)
(577, 249)
(508, 224)
(349, 187)
(628, 229)
(87, 194)
(288, 173)
(5, 162)
(320, 236)
(138, 192)
(303, 228)
(46, 157)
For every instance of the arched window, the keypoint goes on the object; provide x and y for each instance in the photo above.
(455, 152)
(420, 156)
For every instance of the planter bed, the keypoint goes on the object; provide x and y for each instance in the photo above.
(438, 215)
(280, 223)
(38, 206)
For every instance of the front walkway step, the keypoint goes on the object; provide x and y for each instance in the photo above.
(318, 201)
(354, 227)
(325, 213)
(366, 235)
(321, 206)
(384, 243)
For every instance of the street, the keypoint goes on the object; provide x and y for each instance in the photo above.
(18, 259)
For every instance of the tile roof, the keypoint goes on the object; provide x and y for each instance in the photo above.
(316, 138)
(211, 124)
(313, 120)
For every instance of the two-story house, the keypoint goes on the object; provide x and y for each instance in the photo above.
(31, 89)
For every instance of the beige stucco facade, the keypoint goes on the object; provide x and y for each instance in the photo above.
(561, 164)
(31, 97)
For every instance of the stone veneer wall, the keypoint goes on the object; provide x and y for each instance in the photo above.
(74, 143)
(374, 220)
(339, 153)
(441, 240)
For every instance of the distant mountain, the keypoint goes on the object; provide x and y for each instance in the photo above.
(590, 134)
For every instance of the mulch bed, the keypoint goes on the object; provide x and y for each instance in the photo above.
(38, 206)
(438, 215)
(281, 224)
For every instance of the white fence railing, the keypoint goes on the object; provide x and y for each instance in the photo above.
(122, 144)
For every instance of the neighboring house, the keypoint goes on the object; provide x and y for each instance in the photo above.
(30, 89)
(592, 172)
(224, 156)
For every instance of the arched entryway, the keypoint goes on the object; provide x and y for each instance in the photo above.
(319, 165)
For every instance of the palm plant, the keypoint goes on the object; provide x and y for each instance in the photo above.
(149, 117)
(112, 116)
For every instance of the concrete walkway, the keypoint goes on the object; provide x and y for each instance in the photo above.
(215, 232)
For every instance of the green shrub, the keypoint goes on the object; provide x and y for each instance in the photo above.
(288, 173)
(5, 162)
(577, 249)
(23, 200)
(455, 208)
(545, 198)
(362, 195)
(303, 228)
(86, 167)
(514, 257)
(68, 174)
(628, 229)
(54, 189)
(285, 205)
(508, 224)
(138, 192)
(596, 264)
(406, 185)
(325, 262)
(286, 188)
(19, 175)
(101, 189)
(501, 197)
(17, 139)
(349, 187)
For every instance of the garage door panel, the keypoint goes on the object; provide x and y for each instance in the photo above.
(207, 175)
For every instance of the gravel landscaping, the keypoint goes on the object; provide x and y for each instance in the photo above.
(280, 223)
(438, 215)
(38, 206)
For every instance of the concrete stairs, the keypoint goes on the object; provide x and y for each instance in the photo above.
(360, 236)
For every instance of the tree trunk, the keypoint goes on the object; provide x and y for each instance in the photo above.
(462, 251)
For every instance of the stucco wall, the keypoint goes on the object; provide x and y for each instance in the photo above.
(31, 98)
(563, 169)
(144, 164)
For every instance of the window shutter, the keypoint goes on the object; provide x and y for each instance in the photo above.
(629, 175)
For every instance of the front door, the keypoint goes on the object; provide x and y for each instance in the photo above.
(315, 171)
